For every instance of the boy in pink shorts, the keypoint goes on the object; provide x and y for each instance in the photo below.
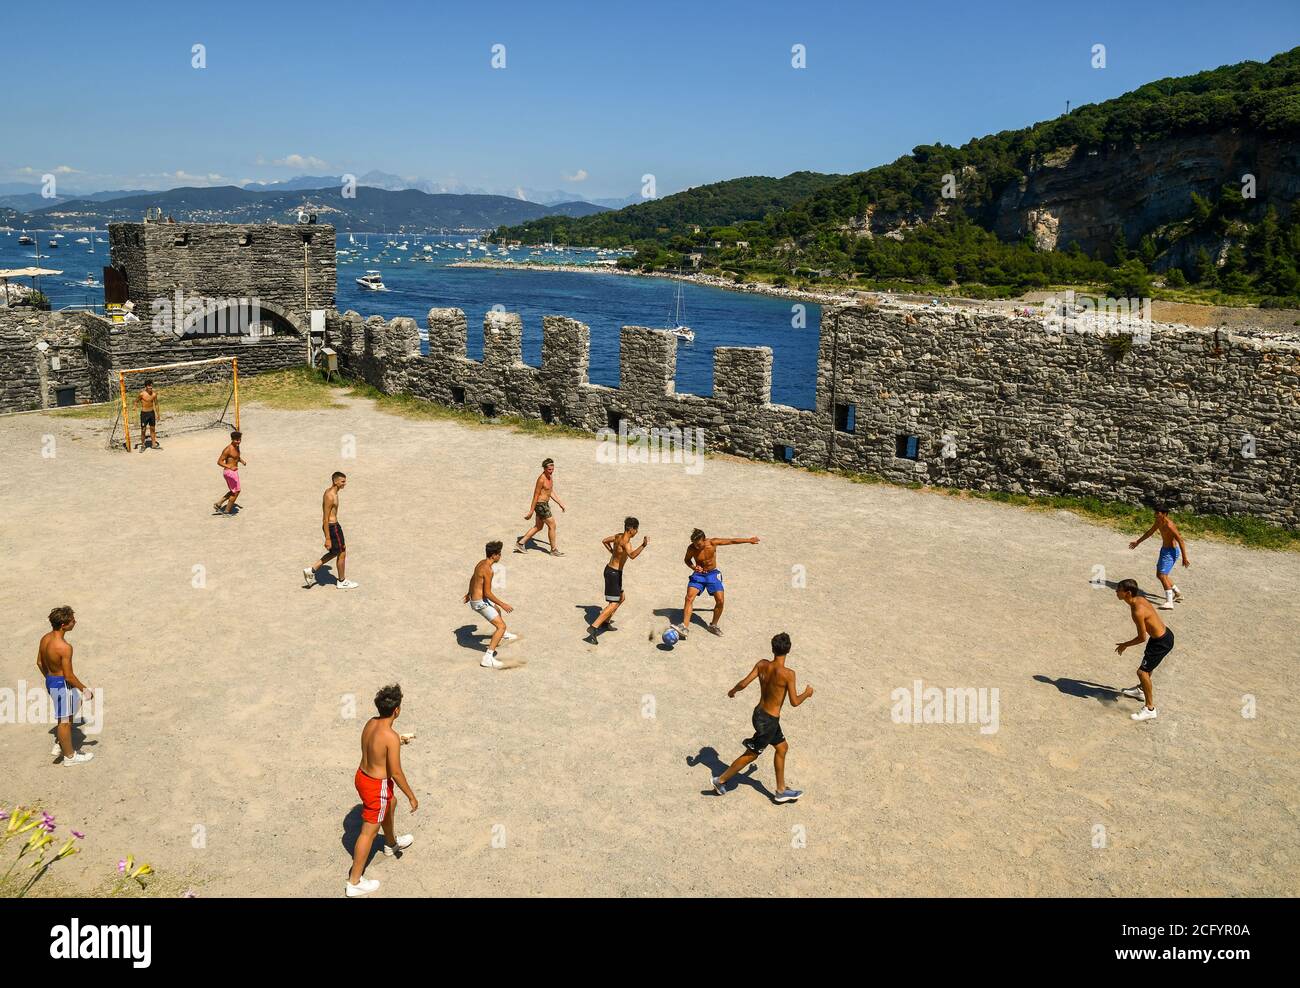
(229, 461)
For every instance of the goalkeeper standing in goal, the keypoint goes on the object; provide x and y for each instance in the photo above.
(148, 402)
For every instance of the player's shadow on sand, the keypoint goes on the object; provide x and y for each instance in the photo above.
(709, 758)
(470, 637)
(324, 578)
(1082, 689)
(589, 612)
(535, 544)
(79, 739)
(352, 830)
(674, 615)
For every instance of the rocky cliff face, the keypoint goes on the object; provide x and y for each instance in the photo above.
(1088, 196)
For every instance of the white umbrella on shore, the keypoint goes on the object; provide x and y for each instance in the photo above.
(33, 273)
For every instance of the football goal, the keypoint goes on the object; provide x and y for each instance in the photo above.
(185, 396)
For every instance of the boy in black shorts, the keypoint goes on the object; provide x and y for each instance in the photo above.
(777, 683)
(619, 553)
(1159, 639)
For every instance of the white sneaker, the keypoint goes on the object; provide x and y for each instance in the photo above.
(490, 661)
(1165, 605)
(509, 636)
(363, 887)
(403, 842)
(1146, 713)
(1178, 597)
(1135, 692)
(347, 585)
(77, 757)
(308, 577)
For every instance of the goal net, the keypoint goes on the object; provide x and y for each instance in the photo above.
(190, 395)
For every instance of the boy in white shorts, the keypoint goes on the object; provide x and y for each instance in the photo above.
(484, 602)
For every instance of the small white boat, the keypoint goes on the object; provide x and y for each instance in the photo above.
(25, 240)
(54, 243)
(83, 240)
(679, 327)
(90, 282)
(372, 281)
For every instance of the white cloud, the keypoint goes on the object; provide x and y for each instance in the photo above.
(296, 161)
(57, 170)
(579, 176)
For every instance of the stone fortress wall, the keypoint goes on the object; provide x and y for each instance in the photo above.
(1206, 419)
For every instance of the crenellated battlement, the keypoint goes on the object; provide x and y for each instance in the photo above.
(988, 401)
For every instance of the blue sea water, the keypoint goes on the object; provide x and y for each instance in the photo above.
(604, 302)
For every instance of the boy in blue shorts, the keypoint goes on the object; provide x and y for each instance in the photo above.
(1172, 549)
(701, 557)
(54, 660)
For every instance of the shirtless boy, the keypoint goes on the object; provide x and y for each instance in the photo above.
(540, 505)
(54, 660)
(148, 402)
(619, 553)
(380, 769)
(701, 557)
(335, 546)
(229, 461)
(1159, 639)
(777, 683)
(1172, 547)
(484, 602)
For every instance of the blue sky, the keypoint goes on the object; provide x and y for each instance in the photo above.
(593, 95)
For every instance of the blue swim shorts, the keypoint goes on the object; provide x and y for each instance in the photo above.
(710, 582)
(66, 701)
(1168, 557)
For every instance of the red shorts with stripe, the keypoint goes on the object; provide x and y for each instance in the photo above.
(376, 796)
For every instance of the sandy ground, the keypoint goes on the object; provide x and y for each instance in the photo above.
(227, 752)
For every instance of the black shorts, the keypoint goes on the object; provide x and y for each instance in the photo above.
(767, 730)
(148, 418)
(613, 584)
(336, 538)
(1156, 650)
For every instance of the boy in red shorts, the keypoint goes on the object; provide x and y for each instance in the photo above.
(380, 769)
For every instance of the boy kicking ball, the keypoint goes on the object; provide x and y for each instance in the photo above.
(777, 683)
(1159, 639)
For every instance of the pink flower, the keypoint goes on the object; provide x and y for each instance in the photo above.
(121, 866)
(78, 834)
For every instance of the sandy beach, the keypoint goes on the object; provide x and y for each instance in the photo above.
(234, 697)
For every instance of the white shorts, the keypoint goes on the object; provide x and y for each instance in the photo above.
(485, 608)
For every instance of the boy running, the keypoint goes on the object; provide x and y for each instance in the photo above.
(54, 660)
(1172, 547)
(484, 602)
(619, 554)
(334, 543)
(701, 557)
(543, 494)
(1159, 639)
(381, 767)
(229, 461)
(148, 402)
(777, 683)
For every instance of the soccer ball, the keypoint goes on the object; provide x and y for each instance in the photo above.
(671, 637)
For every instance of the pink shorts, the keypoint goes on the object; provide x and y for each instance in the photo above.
(232, 480)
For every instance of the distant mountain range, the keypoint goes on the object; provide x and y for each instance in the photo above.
(408, 210)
